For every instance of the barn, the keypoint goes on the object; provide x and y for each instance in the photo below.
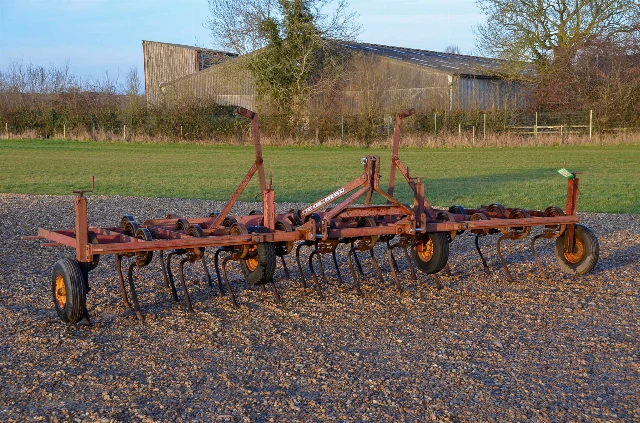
(390, 78)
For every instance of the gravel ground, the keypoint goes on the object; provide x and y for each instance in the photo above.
(556, 348)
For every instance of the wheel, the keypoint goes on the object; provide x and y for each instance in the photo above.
(69, 290)
(143, 258)
(585, 253)
(260, 264)
(431, 252)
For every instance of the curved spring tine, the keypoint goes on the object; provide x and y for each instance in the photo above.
(123, 290)
(437, 280)
(174, 293)
(303, 282)
(164, 271)
(216, 257)
(206, 271)
(286, 270)
(335, 263)
(410, 261)
(535, 255)
(357, 259)
(316, 281)
(86, 317)
(187, 299)
(226, 281)
(484, 262)
(393, 262)
(393, 265)
(353, 271)
(504, 263)
(134, 295)
(447, 270)
(324, 278)
(276, 294)
(377, 266)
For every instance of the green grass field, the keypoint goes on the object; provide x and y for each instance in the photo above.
(522, 177)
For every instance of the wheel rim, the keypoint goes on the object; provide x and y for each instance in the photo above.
(252, 263)
(577, 254)
(425, 250)
(61, 292)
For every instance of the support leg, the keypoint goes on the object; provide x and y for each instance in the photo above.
(134, 295)
(226, 281)
(123, 290)
(504, 263)
(174, 293)
(353, 271)
(438, 282)
(484, 262)
(187, 298)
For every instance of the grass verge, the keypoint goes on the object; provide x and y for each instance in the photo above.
(522, 177)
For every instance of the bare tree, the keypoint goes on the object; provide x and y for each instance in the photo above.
(452, 49)
(236, 25)
(551, 30)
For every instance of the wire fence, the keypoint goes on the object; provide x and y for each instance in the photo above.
(221, 124)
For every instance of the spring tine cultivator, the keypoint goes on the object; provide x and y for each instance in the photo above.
(345, 219)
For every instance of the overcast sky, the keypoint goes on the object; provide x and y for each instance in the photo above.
(95, 36)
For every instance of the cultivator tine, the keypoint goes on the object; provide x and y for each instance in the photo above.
(187, 298)
(351, 253)
(438, 281)
(86, 318)
(394, 266)
(335, 263)
(285, 268)
(484, 261)
(316, 281)
(274, 290)
(357, 259)
(504, 263)
(535, 255)
(206, 271)
(174, 293)
(226, 282)
(376, 265)
(216, 266)
(447, 270)
(303, 282)
(134, 295)
(164, 271)
(412, 270)
(123, 290)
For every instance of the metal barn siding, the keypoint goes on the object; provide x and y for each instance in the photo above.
(164, 62)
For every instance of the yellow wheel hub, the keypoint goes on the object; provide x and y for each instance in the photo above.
(61, 292)
(577, 254)
(252, 259)
(425, 250)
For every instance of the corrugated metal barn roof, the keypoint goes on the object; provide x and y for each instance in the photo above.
(454, 64)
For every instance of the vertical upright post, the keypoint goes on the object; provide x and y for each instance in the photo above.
(81, 229)
(180, 131)
(473, 136)
(93, 126)
(64, 131)
(6, 129)
(484, 127)
(590, 123)
(124, 132)
(53, 124)
(342, 128)
(435, 124)
(459, 130)
(535, 128)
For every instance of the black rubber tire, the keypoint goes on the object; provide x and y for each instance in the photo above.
(266, 256)
(440, 255)
(590, 254)
(75, 290)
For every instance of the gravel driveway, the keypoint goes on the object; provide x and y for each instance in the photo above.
(558, 349)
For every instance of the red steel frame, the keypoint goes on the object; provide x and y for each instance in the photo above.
(309, 224)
